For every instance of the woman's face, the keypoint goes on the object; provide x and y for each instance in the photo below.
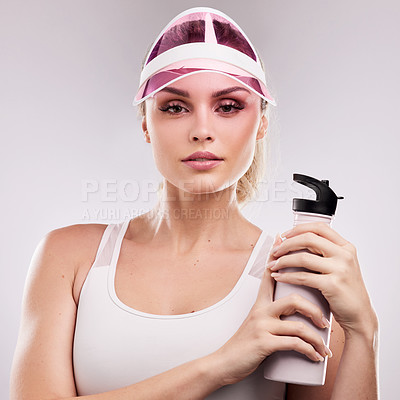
(204, 112)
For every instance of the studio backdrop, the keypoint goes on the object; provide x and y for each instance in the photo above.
(72, 149)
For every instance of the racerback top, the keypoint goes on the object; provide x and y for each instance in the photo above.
(116, 345)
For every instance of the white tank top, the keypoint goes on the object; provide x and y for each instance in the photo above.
(116, 345)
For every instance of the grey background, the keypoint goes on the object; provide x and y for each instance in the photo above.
(69, 71)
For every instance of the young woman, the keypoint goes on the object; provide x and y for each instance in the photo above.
(177, 303)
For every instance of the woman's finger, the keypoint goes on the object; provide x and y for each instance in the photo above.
(320, 229)
(310, 279)
(302, 259)
(293, 303)
(301, 330)
(277, 242)
(307, 240)
(292, 343)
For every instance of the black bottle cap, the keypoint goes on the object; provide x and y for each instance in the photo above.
(325, 202)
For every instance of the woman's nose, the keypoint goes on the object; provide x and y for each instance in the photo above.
(201, 137)
(202, 128)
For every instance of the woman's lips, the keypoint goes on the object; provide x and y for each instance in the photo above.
(202, 165)
(202, 155)
(202, 160)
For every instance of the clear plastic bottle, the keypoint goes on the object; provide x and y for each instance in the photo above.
(292, 366)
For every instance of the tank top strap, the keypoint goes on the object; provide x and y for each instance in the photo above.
(109, 242)
(260, 262)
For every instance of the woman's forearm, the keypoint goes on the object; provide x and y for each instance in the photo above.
(193, 380)
(357, 376)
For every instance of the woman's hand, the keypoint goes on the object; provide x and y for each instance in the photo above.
(335, 272)
(263, 332)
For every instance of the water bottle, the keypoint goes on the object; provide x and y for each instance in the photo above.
(292, 366)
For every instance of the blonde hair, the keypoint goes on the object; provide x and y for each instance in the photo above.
(249, 184)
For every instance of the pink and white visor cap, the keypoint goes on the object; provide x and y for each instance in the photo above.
(201, 39)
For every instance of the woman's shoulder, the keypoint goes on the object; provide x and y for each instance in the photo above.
(73, 241)
(70, 251)
(73, 231)
(71, 245)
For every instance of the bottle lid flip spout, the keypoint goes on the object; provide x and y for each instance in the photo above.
(326, 200)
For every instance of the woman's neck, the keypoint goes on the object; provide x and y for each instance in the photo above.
(188, 221)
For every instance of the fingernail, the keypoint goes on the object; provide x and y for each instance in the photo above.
(325, 322)
(328, 351)
(271, 264)
(274, 249)
(320, 358)
(276, 274)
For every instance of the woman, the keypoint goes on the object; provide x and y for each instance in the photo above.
(177, 303)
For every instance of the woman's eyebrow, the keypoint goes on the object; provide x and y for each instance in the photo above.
(219, 93)
(229, 90)
(176, 91)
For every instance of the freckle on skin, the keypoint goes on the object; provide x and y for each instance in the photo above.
(209, 240)
(62, 276)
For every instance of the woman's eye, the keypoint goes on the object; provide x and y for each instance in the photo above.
(172, 108)
(230, 108)
(175, 109)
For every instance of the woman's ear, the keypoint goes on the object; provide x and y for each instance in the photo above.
(262, 128)
(145, 131)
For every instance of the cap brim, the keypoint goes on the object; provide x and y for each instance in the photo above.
(172, 74)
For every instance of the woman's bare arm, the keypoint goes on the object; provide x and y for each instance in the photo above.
(357, 377)
(42, 366)
(193, 380)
